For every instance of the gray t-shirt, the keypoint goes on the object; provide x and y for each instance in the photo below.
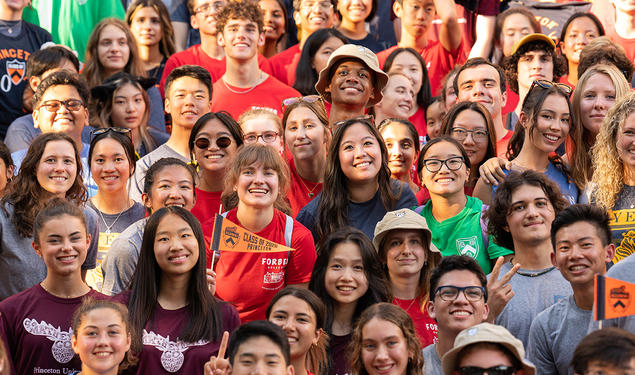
(20, 266)
(554, 335)
(623, 270)
(532, 294)
(431, 361)
(121, 261)
(163, 151)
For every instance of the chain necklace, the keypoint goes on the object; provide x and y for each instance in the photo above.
(246, 91)
(532, 274)
(310, 193)
(108, 227)
(405, 300)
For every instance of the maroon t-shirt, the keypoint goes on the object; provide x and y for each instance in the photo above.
(36, 329)
(163, 352)
(339, 353)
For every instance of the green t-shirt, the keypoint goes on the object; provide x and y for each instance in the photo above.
(462, 234)
(71, 22)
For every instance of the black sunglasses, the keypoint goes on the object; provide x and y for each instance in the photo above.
(222, 142)
(497, 370)
(96, 132)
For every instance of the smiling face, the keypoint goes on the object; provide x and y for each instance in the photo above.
(454, 316)
(321, 58)
(351, 84)
(63, 245)
(444, 182)
(187, 100)
(625, 143)
(580, 32)
(314, 15)
(260, 355)
(305, 135)
(297, 320)
(345, 278)
(398, 99)
(534, 65)
(128, 107)
(552, 124)
(173, 186)
(257, 186)
(258, 126)
(359, 154)
(63, 120)
(274, 21)
(355, 11)
(175, 246)
(214, 158)
(110, 166)
(101, 341)
(474, 144)
(57, 169)
(481, 84)
(384, 348)
(530, 216)
(113, 51)
(598, 95)
(406, 252)
(145, 26)
(401, 149)
(241, 39)
(579, 253)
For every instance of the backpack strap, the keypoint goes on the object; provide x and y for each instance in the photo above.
(288, 230)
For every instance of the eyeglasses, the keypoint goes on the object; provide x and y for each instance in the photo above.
(222, 142)
(449, 293)
(435, 165)
(497, 370)
(548, 84)
(324, 5)
(307, 99)
(370, 119)
(209, 7)
(268, 137)
(460, 134)
(72, 105)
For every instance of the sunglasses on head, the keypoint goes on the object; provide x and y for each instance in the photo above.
(96, 132)
(204, 143)
(307, 99)
(548, 84)
(366, 118)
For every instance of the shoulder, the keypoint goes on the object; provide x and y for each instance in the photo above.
(44, 35)
(623, 270)
(15, 304)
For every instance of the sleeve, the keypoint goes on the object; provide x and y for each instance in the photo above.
(118, 266)
(157, 118)
(538, 348)
(93, 230)
(494, 251)
(18, 137)
(231, 318)
(302, 259)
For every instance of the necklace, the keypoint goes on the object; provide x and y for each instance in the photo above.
(532, 274)
(310, 193)
(242, 92)
(405, 300)
(107, 231)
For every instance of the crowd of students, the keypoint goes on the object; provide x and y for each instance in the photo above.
(429, 206)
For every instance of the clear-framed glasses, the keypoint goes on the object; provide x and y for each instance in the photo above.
(434, 165)
(267, 137)
(478, 135)
(208, 8)
(72, 105)
(449, 293)
(310, 4)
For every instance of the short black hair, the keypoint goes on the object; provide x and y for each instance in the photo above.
(457, 263)
(49, 58)
(259, 328)
(594, 215)
(474, 62)
(192, 71)
(612, 346)
(61, 78)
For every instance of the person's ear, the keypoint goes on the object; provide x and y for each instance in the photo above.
(552, 255)
(485, 312)
(34, 82)
(36, 116)
(503, 99)
(220, 39)
(74, 344)
(147, 201)
(397, 8)
(297, 17)
(128, 341)
(523, 119)
(261, 39)
(194, 22)
(430, 304)
(290, 370)
(166, 103)
(88, 238)
(610, 252)
(37, 248)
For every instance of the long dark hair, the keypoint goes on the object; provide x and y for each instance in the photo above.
(333, 205)
(25, 192)
(378, 289)
(305, 75)
(205, 320)
(424, 96)
(167, 46)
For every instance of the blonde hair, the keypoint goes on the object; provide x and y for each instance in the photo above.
(581, 165)
(261, 113)
(608, 178)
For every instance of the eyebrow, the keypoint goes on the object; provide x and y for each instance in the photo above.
(115, 325)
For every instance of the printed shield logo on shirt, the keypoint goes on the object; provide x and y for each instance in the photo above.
(61, 349)
(172, 357)
(15, 70)
(467, 246)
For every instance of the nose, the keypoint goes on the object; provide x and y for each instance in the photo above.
(288, 325)
(259, 368)
(531, 210)
(469, 139)
(382, 352)
(301, 132)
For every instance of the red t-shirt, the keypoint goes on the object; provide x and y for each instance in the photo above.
(418, 119)
(425, 326)
(565, 79)
(301, 191)
(439, 61)
(250, 280)
(163, 352)
(512, 102)
(196, 56)
(269, 94)
(284, 64)
(501, 144)
(207, 204)
(36, 329)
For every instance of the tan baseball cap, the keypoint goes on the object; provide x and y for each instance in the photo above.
(347, 52)
(402, 219)
(533, 37)
(486, 332)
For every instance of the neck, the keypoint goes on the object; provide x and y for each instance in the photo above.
(269, 49)
(533, 256)
(499, 127)
(254, 219)
(629, 175)
(411, 41)
(362, 192)
(135, 134)
(353, 30)
(88, 371)
(531, 158)
(311, 169)
(583, 296)
(572, 77)
(150, 56)
(7, 14)
(444, 208)
(446, 342)
(343, 318)
(178, 140)
(302, 39)
(341, 112)
(625, 25)
(299, 365)
(211, 181)
(65, 286)
(173, 291)
(243, 73)
(209, 45)
(112, 202)
(405, 286)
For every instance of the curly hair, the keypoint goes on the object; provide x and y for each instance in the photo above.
(167, 46)
(581, 164)
(25, 193)
(240, 9)
(510, 63)
(608, 178)
(502, 202)
(395, 315)
(602, 50)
